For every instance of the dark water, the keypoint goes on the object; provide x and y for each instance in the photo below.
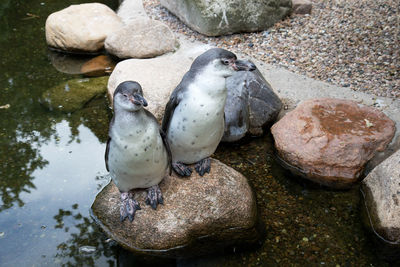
(51, 167)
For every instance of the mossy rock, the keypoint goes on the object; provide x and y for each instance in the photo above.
(73, 95)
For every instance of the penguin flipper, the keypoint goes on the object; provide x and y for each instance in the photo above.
(169, 153)
(107, 151)
(170, 108)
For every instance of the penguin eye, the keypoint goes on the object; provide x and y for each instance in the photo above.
(225, 61)
(125, 95)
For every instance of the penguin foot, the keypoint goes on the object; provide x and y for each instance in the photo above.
(181, 169)
(203, 166)
(154, 196)
(128, 206)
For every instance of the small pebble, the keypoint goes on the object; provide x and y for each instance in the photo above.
(87, 249)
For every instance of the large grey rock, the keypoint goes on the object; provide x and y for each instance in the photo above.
(199, 215)
(81, 28)
(251, 104)
(329, 141)
(228, 16)
(381, 191)
(237, 113)
(141, 38)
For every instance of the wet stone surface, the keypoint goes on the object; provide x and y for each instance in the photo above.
(329, 141)
(199, 216)
(72, 95)
(381, 192)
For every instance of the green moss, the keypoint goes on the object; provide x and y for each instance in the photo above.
(74, 94)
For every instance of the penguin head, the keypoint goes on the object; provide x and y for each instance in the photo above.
(128, 96)
(220, 62)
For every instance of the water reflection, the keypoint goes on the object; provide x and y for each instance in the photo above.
(86, 245)
(50, 226)
(48, 162)
(22, 159)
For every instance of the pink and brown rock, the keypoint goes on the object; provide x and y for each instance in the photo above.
(329, 141)
(199, 215)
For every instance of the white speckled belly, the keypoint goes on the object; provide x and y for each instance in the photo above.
(196, 127)
(137, 159)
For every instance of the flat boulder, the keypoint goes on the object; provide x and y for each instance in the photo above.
(251, 104)
(220, 17)
(169, 70)
(199, 216)
(329, 140)
(381, 191)
(141, 38)
(74, 94)
(81, 28)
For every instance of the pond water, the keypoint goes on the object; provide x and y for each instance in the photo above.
(52, 166)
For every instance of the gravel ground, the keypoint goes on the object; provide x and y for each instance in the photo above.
(349, 43)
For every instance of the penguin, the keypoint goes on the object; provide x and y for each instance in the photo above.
(194, 115)
(137, 155)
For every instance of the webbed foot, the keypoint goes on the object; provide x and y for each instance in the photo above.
(128, 206)
(203, 166)
(181, 169)
(154, 196)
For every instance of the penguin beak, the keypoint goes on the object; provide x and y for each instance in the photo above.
(138, 100)
(243, 65)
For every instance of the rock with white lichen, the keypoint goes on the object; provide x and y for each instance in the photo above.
(199, 215)
(220, 17)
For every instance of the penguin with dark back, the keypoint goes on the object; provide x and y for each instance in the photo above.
(137, 154)
(194, 116)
